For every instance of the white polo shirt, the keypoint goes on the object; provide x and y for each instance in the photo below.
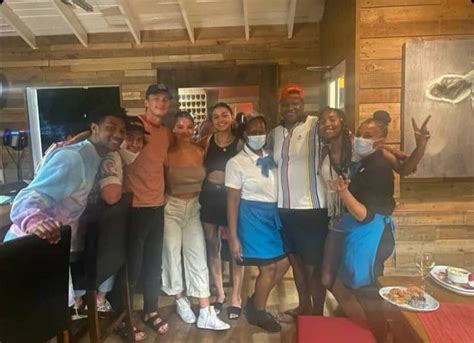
(296, 151)
(242, 172)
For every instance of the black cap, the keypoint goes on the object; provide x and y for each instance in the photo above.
(158, 89)
(135, 124)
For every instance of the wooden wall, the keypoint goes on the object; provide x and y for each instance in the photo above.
(383, 27)
(433, 214)
(338, 44)
(114, 59)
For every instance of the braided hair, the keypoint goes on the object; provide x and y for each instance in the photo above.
(341, 168)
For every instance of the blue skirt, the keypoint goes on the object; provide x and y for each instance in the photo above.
(361, 241)
(259, 232)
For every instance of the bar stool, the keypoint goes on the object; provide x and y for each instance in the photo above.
(105, 255)
(34, 289)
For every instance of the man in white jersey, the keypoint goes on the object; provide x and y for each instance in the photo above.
(301, 197)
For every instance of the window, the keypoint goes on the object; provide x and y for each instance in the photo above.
(335, 86)
(56, 113)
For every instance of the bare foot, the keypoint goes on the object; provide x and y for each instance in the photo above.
(157, 323)
(289, 316)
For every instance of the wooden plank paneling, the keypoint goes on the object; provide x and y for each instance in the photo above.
(391, 47)
(16, 64)
(400, 21)
(380, 80)
(371, 95)
(417, 20)
(436, 215)
(114, 59)
(380, 66)
(110, 66)
(387, 3)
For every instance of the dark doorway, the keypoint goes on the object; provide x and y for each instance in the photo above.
(264, 76)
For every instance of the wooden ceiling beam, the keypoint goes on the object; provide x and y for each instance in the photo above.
(184, 13)
(246, 19)
(72, 21)
(130, 19)
(291, 17)
(16, 23)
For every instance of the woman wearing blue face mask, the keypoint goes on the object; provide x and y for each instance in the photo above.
(254, 224)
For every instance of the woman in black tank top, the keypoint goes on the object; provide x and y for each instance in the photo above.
(220, 147)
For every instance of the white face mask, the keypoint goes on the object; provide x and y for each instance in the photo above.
(128, 156)
(256, 142)
(363, 146)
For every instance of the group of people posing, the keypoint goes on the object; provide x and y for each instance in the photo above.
(307, 193)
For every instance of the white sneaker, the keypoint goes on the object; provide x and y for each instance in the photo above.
(183, 307)
(208, 319)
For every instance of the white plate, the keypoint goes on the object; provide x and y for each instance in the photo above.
(444, 282)
(431, 303)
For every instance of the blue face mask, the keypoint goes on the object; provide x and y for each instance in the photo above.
(363, 146)
(256, 142)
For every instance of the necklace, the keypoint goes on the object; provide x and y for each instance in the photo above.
(227, 143)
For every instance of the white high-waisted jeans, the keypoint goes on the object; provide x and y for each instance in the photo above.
(183, 232)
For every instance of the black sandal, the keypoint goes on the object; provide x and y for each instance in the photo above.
(157, 326)
(264, 320)
(218, 306)
(234, 312)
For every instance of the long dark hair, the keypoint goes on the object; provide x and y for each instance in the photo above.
(219, 104)
(346, 146)
(233, 128)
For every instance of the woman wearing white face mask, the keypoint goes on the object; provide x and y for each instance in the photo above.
(134, 141)
(367, 223)
(254, 224)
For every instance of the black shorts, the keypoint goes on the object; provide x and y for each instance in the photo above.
(304, 233)
(213, 200)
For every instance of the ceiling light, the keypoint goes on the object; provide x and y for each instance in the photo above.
(318, 68)
(81, 3)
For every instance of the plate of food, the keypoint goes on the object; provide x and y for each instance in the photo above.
(455, 279)
(409, 298)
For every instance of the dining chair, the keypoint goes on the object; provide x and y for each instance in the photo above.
(332, 329)
(105, 255)
(34, 289)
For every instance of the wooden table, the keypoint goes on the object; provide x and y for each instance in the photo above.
(406, 326)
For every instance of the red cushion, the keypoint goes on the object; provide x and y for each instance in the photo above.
(312, 329)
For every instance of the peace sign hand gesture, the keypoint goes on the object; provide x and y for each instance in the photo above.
(422, 135)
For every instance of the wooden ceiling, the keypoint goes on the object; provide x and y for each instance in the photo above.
(32, 18)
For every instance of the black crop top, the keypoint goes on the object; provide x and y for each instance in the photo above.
(217, 157)
(373, 185)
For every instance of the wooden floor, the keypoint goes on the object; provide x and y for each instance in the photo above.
(283, 297)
